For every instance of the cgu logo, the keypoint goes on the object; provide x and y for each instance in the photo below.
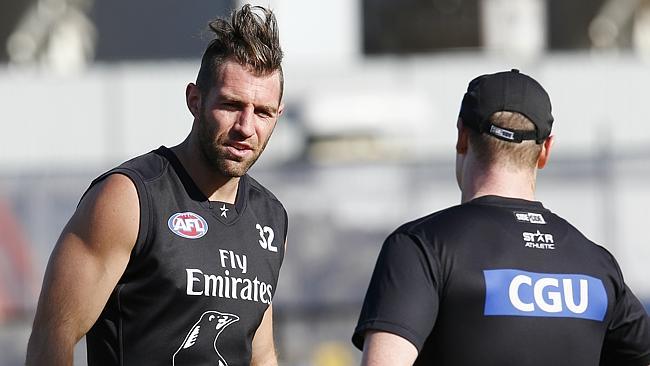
(187, 225)
(520, 293)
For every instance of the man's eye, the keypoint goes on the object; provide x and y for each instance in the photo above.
(229, 105)
(264, 113)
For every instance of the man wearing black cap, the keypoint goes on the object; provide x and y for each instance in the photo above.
(499, 279)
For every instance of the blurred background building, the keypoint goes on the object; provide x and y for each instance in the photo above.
(372, 92)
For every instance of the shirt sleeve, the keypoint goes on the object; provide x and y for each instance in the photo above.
(627, 341)
(402, 297)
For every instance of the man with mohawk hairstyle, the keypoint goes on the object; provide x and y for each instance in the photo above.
(173, 257)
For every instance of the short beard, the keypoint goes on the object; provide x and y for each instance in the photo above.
(212, 152)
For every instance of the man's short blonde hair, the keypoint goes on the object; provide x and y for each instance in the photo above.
(492, 151)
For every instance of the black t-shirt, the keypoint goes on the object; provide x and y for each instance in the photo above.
(502, 281)
(201, 274)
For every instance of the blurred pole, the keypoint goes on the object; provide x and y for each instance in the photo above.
(606, 175)
(114, 125)
(641, 30)
(54, 34)
(10, 14)
(606, 28)
(514, 28)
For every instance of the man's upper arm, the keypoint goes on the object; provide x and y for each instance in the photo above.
(387, 349)
(263, 345)
(89, 258)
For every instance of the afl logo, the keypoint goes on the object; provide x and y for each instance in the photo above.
(188, 225)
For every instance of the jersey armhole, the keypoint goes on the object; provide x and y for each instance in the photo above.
(145, 209)
(144, 199)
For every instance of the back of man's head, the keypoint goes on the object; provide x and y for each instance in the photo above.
(509, 116)
(249, 38)
(491, 150)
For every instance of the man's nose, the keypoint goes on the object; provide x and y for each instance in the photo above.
(245, 124)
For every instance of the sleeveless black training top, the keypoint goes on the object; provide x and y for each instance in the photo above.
(201, 274)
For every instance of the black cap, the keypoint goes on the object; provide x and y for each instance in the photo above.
(509, 91)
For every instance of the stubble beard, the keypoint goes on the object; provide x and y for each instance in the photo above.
(215, 154)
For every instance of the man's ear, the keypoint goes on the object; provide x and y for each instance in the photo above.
(463, 138)
(193, 99)
(546, 152)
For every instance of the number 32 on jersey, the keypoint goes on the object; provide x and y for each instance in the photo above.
(266, 238)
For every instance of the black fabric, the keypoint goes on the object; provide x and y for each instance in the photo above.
(509, 135)
(509, 91)
(441, 282)
(195, 299)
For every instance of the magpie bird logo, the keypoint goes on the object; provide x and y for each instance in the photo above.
(202, 339)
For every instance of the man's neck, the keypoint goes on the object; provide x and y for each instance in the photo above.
(213, 185)
(498, 182)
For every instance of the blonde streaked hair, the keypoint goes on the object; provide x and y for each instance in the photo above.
(493, 151)
(250, 38)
